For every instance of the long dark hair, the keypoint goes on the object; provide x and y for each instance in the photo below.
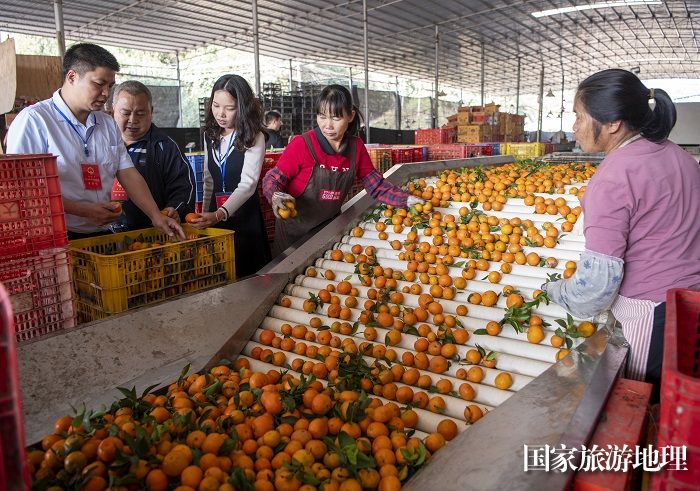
(618, 95)
(249, 113)
(337, 100)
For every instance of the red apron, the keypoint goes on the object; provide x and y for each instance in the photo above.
(319, 203)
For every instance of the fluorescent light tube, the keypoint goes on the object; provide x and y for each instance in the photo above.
(593, 6)
(642, 60)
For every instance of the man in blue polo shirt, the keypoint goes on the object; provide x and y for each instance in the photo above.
(72, 126)
(155, 155)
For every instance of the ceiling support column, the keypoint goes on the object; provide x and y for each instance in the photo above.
(437, 77)
(366, 62)
(60, 33)
(256, 48)
(483, 68)
(541, 105)
(180, 122)
(517, 90)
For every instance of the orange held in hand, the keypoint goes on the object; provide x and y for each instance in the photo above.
(191, 217)
(289, 211)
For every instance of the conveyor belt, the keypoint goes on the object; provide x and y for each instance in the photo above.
(522, 359)
(547, 403)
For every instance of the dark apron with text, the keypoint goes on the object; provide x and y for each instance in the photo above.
(319, 203)
(250, 239)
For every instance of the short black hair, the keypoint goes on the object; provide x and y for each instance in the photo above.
(133, 87)
(85, 57)
(271, 116)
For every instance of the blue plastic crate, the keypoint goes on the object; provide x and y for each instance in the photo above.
(196, 161)
(495, 148)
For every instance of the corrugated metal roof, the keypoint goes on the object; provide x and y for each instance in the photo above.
(659, 38)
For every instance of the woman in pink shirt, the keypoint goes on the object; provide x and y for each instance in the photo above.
(640, 214)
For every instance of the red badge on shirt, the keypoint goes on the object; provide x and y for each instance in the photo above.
(329, 195)
(118, 192)
(91, 177)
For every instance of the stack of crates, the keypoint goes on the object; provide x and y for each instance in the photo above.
(679, 414)
(513, 127)
(476, 124)
(434, 136)
(34, 262)
(270, 161)
(447, 151)
(14, 470)
(203, 109)
(196, 160)
(380, 157)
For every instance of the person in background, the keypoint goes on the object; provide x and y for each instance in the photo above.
(558, 137)
(155, 155)
(317, 170)
(72, 126)
(273, 123)
(641, 239)
(235, 149)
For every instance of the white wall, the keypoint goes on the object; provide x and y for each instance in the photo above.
(687, 129)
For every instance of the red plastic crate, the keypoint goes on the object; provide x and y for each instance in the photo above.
(269, 162)
(478, 150)
(41, 292)
(401, 155)
(447, 151)
(14, 473)
(679, 415)
(418, 154)
(625, 423)
(31, 207)
(431, 136)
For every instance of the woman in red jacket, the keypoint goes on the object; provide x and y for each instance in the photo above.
(317, 170)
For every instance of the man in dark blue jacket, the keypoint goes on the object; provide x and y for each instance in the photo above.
(155, 155)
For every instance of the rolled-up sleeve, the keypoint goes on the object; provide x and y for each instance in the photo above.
(592, 288)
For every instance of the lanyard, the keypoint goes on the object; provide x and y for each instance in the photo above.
(89, 130)
(221, 161)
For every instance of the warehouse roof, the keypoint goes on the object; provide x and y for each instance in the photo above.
(659, 37)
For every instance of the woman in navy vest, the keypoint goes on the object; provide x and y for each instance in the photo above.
(235, 149)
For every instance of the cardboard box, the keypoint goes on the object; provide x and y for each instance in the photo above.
(463, 117)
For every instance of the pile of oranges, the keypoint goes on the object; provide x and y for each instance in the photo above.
(234, 428)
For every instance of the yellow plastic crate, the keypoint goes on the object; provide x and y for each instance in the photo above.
(381, 158)
(117, 272)
(525, 150)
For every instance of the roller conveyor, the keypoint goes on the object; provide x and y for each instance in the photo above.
(570, 392)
